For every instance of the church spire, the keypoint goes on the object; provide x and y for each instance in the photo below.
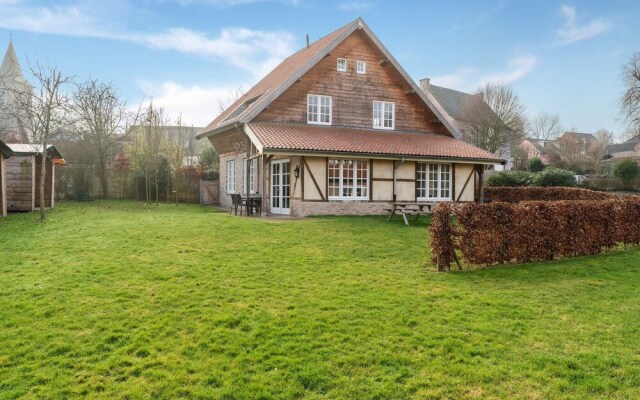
(10, 67)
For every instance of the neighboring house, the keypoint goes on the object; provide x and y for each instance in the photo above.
(22, 177)
(340, 128)
(629, 149)
(12, 83)
(577, 143)
(544, 149)
(463, 110)
(5, 152)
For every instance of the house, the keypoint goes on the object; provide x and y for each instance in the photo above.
(22, 176)
(544, 149)
(339, 127)
(5, 152)
(12, 82)
(615, 152)
(577, 143)
(464, 112)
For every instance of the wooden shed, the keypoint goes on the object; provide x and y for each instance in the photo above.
(5, 152)
(22, 177)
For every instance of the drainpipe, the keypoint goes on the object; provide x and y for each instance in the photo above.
(396, 164)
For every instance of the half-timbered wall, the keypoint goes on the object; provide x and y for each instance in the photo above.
(352, 93)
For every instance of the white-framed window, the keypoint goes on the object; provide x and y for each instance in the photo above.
(348, 179)
(318, 109)
(384, 115)
(231, 176)
(252, 171)
(342, 65)
(433, 181)
(361, 67)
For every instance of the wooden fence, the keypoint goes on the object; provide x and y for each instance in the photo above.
(209, 192)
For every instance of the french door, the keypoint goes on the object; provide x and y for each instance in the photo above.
(280, 187)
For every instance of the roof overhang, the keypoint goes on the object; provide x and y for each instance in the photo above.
(377, 156)
(23, 149)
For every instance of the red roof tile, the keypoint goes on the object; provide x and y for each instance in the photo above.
(315, 138)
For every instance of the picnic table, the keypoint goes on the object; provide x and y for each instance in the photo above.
(405, 208)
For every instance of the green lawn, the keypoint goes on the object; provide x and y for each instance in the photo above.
(118, 300)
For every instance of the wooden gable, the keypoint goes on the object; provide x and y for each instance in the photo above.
(352, 93)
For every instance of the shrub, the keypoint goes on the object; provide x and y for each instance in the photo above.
(498, 233)
(535, 164)
(510, 178)
(535, 193)
(554, 177)
(626, 170)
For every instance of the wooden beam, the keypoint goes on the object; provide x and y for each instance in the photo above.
(473, 171)
(313, 179)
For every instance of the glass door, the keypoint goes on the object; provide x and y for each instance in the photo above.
(280, 186)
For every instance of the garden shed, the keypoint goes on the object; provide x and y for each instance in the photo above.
(5, 152)
(22, 176)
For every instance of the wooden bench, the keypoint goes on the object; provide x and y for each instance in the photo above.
(409, 209)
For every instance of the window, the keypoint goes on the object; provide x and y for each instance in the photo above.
(348, 179)
(433, 181)
(318, 109)
(252, 172)
(231, 176)
(361, 67)
(342, 65)
(384, 115)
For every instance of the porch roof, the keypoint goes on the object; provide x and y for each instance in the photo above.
(331, 139)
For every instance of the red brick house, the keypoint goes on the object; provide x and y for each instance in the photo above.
(340, 128)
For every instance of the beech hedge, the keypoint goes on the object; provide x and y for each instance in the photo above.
(530, 193)
(498, 233)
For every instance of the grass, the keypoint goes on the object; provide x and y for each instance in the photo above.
(113, 300)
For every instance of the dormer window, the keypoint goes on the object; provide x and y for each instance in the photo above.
(361, 67)
(384, 115)
(342, 65)
(318, 109)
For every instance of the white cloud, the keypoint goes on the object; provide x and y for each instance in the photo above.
(198, 105)
(455, 80)
(572, 32)
(254, 51)
(517, 67)
(356, 6)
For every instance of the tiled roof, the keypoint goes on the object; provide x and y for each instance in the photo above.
(315, 138)
(275, 78)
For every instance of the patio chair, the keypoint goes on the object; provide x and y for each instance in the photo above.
(237, 202)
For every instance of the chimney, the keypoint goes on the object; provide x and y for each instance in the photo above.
(424, 84)
(307, 40)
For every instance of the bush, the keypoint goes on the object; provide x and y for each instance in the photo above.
(626, 170)
(535, 164)
(554, 177)
(498, 233)
(510, 179)
(518, 194)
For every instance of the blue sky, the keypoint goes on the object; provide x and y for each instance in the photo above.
(560, 57)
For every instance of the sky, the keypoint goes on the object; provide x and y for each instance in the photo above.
(560, 57)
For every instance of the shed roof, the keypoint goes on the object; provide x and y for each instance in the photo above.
(284, 137)
(29, 149)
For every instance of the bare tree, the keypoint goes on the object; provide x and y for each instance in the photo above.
(232, 97)
(43, 111)
(598, 149)
(500, 126)
(102, 118)
(631, 98)
(545, 126)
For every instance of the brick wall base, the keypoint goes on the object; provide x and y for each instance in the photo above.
(306, 208)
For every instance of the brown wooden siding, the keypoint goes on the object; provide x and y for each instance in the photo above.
(353, 94)
(3, 208)
(19, 183)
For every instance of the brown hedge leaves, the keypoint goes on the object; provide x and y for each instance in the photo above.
(531, 193)
(499, 233)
